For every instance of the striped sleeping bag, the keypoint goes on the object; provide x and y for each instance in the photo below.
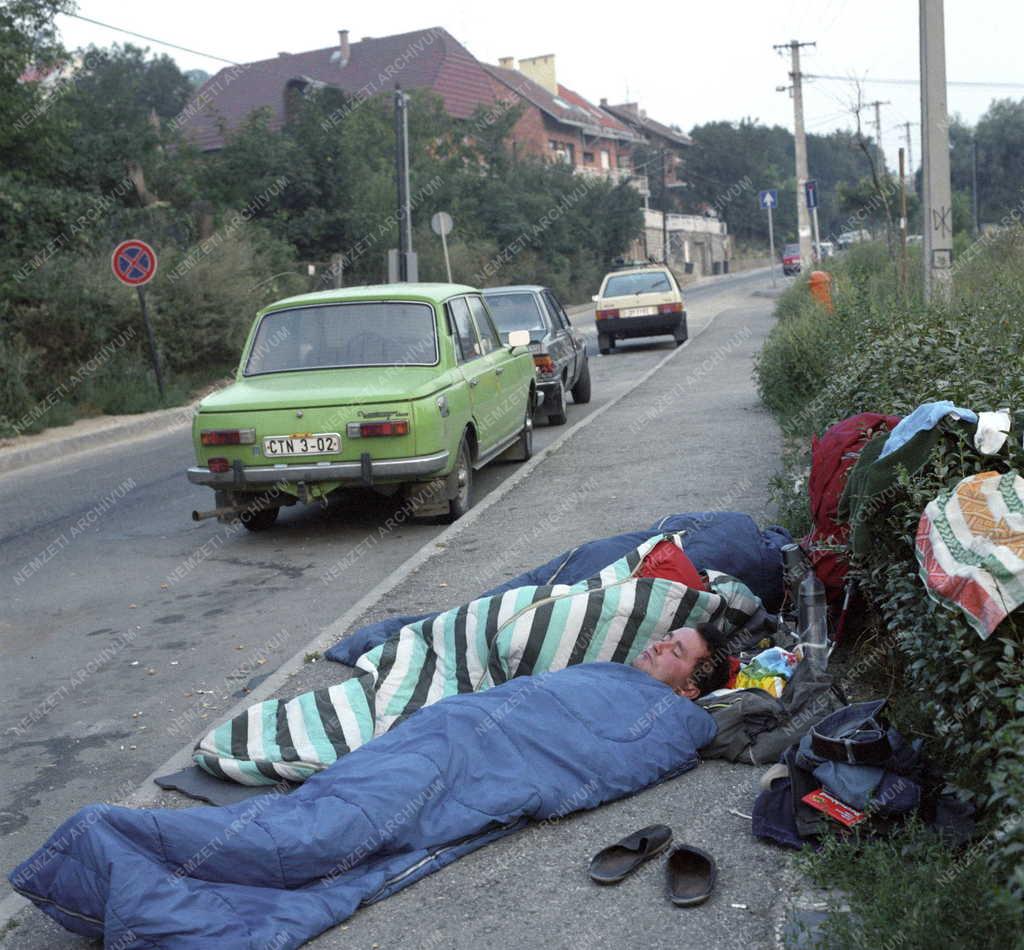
(612, 616)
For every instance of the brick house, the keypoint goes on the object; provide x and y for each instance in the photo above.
(560, 124)
(557, 123)
(664, 146)
(423, 59)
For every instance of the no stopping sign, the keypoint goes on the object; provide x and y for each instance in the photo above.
(133, 263)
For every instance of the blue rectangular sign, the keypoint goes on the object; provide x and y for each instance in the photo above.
(769, 198)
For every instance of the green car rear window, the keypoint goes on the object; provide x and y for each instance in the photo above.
(330, 336)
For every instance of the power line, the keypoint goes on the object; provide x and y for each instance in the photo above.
(917, 82)
(152, 39)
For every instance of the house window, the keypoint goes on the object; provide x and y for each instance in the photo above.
(588, 158)
(606, 159)
(564, 151)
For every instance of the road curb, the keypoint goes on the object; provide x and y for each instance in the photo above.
(151, 423)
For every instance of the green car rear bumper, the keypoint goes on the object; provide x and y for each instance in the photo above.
(365, 471)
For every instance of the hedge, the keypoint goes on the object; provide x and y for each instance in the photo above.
(885, 350)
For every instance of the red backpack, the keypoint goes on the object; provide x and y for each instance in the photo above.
(832, 457)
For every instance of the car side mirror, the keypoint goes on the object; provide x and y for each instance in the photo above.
(595, 298)
(519, 338)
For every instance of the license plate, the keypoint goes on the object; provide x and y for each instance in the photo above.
(639, 311)
(312, 443)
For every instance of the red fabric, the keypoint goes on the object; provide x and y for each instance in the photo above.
(669, 562)
(832, 457)
(734, 671)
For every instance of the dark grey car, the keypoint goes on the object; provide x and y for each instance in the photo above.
(559, 350)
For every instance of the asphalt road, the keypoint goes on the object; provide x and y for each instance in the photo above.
(111, 664)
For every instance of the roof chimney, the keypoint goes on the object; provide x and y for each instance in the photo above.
(541, 69)
(507, 62)
(343, 48)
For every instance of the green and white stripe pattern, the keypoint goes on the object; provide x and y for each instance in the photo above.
(970, 545)
(612, 616)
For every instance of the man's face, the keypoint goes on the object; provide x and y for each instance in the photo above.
(673, 659)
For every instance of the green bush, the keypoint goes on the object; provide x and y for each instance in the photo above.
(17, 364)
(913, 893)
(884, 350)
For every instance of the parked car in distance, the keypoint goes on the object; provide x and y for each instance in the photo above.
(638, 300)
(558, 348)
(847, 238)
(828, 249)
(791, 259)
(398, 387)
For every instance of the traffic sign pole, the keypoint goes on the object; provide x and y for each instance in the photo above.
(448, 263)
(811, 193)
(141, 290)
(771, 242)
(441, 223)
(134, 264)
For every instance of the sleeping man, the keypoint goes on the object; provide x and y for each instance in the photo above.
(692, 660)
(649, 609)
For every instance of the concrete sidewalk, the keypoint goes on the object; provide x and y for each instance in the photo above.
(692, 437)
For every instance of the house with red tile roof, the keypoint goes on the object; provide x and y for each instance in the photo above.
(556, 122)
(423, 59)
(561, 124)
(664, 152)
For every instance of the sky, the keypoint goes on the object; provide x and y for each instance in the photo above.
(685, 62)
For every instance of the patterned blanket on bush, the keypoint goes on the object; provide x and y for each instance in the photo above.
(970, 545)
(611, 616)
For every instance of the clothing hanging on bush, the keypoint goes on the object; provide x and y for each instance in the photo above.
(970, 545)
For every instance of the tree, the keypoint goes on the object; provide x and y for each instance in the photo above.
(1000, 137)
(29, 52)
(114, 113)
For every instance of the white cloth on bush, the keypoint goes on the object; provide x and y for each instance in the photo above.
(992, 432)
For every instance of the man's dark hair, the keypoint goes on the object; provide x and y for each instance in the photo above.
(713, 671)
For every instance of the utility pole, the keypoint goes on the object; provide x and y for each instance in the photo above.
(664, 210)
(803, 217)
(974, 184)
(879, 154)
(937, 202)
(910, 154)
(903, 226)
(402, 175)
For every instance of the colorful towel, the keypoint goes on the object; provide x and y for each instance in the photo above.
(611, 616)
(970, 545)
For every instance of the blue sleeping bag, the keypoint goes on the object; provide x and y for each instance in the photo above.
(726, 541)
(279, 869)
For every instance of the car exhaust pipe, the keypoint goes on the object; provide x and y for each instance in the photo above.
(215, 513)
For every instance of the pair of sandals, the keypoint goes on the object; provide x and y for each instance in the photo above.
(691, 872)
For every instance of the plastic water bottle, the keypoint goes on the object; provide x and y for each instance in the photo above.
(794, 566)
(812, 620)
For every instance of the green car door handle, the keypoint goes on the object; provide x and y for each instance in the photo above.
(474, 381)
(498, 370)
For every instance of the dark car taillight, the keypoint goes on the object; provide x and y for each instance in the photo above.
(670, 308)
(545, 364)
(219, 465)
(606, 314)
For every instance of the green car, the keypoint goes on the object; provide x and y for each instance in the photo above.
(400, 387)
